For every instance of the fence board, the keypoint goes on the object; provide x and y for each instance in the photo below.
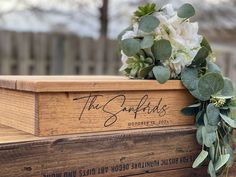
(57, 54)
(71, 43)
(6, 52)
(23, 48)
(85, 51)
(40, 50)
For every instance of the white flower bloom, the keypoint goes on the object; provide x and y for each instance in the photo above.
(169, 10)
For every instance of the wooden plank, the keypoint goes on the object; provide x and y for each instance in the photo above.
(106, 155)
(6, 51)
(100, 55)
(112, 59)
(66, 113)
(91, 104)
(186, 172)
(41, 49)
(57, 54)
(85, 45)
(71, 46)
(23, 41)
(18, 110)
(84, 83)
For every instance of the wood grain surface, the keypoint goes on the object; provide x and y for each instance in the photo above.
(83, 83)
(58, 113)
(106, 154)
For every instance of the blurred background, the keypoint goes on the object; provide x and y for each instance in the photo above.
(79, 36)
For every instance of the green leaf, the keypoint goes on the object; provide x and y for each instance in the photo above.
(148, 8)
(229, 120)
(148, 23)
(147, 42)
(212, 67)
(208, 138)
(206, 44)
(200, 57)
(232, 103)
(222, 160)
(189, 77)
(130, 46)
(186, 11)
(227, 91)
(199, 135)
(201, 157)
(130, 28)
(212, 152)
(197, 94)
(191, 110)
(210, 84)
(213, 114)
(162, 49)
(161, 73)
(145, 71)
(211, 170)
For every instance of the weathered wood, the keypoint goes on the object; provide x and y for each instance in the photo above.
(23, 41)
(91, 104)
(113, 154)
(6, 52)
(41, 52)
(186, 172)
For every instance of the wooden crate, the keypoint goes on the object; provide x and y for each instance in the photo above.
(56, 105)
(162, 151)
(157, 152)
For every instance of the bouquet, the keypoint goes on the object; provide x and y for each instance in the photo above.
(162, 44)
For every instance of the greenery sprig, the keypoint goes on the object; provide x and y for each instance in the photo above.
(159, 46)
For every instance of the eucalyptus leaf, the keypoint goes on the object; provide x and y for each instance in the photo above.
(145, 71)
(162, 49)
(197, 94)
(206, 44)
(189, 77)
(161, 73)
(222, 160)
(200, 57)
(199, 160)
(228, 90)
(210, 84)
(211, 170)
(213, 114)
(229, 120)
(148, 23)
(212, 67)
(130, 28)
(208, 138)
(232, 103)
(191, 110)
(212, 152)
(130, 46)
(199, 135)
(147, 42)
(186, 11)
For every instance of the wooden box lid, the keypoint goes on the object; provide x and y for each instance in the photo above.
(83, 83)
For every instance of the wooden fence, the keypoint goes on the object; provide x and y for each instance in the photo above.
(53, 53)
